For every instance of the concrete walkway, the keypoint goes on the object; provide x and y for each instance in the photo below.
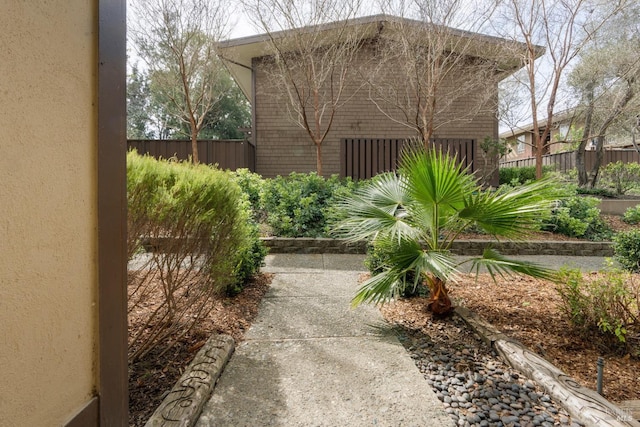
(311, 360)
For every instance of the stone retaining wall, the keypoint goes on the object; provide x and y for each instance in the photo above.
(304, 245)
(309, 245)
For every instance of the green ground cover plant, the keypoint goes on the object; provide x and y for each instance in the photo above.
(632, 215)
(626, 247)
(578, 216)
(605, 305)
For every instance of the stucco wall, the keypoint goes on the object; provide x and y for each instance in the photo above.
(282, 146)
(48, 282)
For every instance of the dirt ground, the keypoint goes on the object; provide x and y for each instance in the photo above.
(155, 374)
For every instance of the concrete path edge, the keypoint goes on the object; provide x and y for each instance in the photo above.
(583, 404)
(184, 403)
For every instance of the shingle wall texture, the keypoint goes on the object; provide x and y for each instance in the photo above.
(282, 146)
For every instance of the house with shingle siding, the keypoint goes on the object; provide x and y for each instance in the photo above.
(282, 146)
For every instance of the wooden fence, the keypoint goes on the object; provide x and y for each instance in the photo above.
(362, 158)
(563, 162)
(227, 154)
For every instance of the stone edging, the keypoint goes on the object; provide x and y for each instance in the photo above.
(583, 404)
(184, 403)
(308, 245)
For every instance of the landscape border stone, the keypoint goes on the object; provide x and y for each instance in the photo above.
(583, 404)
(309, 245)
(183, 404)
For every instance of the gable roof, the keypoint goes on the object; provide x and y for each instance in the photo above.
(237, 54)
(569, 116)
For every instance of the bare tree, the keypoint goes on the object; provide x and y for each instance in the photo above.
(607, 78)
(440, 65)
(313, 46)
(177, 39)
(563, 29)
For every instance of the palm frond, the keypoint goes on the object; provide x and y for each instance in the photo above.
(375, 208)
(378, 289)
(497, 264)
(435, 179)
(510, 214)
(408, 256)
(437, 263)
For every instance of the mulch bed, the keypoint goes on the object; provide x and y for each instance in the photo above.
(529, 310)
(153, 376)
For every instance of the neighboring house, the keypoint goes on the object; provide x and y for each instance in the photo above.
(282, 146)
(563, 136)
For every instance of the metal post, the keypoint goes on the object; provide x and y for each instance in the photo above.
(600, 372)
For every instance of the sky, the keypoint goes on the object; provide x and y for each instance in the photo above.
(241, 26)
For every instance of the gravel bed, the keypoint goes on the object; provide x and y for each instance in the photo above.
(476, 388)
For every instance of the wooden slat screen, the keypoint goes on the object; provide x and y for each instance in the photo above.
(363, 158)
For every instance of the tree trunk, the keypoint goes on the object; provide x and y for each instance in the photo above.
(439, 303)
(319, 158)
(539, 147)
(617, 110)
(194, 146)
(583, 177)
(599, 156)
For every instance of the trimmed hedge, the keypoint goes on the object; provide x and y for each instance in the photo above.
(199, 202)
(204, 242)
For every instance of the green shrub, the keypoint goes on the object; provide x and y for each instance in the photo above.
(517, 175)
(522, 175)
(621, 177)
(251, 251)
(298, 205)
(632, 215)
(578, 216)
(198, 223)
(251, 184)
(332, 213)
(146, 179)
(597, 191)
(378, 259)
(606, 303)
(626, 247)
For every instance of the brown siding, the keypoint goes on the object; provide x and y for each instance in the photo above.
(282, 146)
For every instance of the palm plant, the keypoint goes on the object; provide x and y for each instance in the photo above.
(419, 212)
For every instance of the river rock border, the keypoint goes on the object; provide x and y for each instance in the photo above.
(583, 404)
(308, 245)
(184, 403)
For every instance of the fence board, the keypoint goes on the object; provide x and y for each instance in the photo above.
(227, 154)
(363, 158)
(563, 162)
